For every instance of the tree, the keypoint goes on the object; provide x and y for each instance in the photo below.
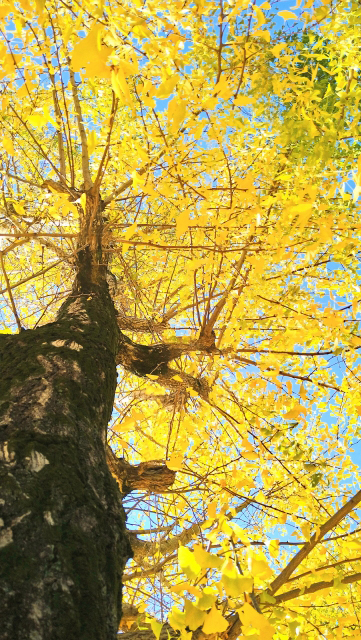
(176, 200)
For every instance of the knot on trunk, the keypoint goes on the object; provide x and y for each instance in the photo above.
(152, 476)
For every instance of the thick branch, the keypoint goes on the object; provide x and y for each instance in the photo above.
(132, 323)
(152, 476)
(310, 545)
(143, 360)
(147, 548)
(59, 129)
(84, 143)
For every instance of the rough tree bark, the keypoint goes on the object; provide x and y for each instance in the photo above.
(63, 538)
(63, 541)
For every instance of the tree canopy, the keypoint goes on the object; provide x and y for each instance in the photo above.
(221, 141)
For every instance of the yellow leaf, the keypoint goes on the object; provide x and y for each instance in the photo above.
(92, 142)
(274, 548)
(287, 15)
(205, 559)
(242, 101)
(194, 617)
(89, 53)
(175, 461)
(182, 223)
(259, 15)
(207, 599)
(276, 50)
(120, 86)
(212, 510)
(214, 622)
(151, 376)
(223, 89)
(177, 378)
(167, 87)
(23, 91)
(333, 321)
(156, 627)
(306, 530)
(251, 618)
(239, 532)
(138, 180)
(177, 109)
(303, 392)
(123, 443)
(8, 146)
(295, 412)
(176, 619)
(5, 9)
(188, 563)
(234, 583)
(258, 565)
(130, 231)
(186, 586)
(265, 35)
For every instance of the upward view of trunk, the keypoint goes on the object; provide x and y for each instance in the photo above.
(63, 543)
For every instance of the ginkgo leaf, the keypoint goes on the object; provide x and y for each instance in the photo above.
(242, 101)
(8, 146)
(92, 142)
(186, 586)
(175, 461)
(194, 617)
(176, 619)
(214, 622)
(207, 599)
(234, 583)
(258, 565)
(259, 15)
(183, 223)
(91, 54)
(156, 627)
(188, 563)
(205, 559)
(251, 618)
(294, 413)
(287, 15)
(167, 87)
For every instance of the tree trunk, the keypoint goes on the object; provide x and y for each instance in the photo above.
(63, 543)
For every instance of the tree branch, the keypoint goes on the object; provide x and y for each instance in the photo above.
(316, 586)
(153, 476)
(310, 545)
(146, 548)
(59, 129)
(128, 183)
(208, 326)
(84, 143)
